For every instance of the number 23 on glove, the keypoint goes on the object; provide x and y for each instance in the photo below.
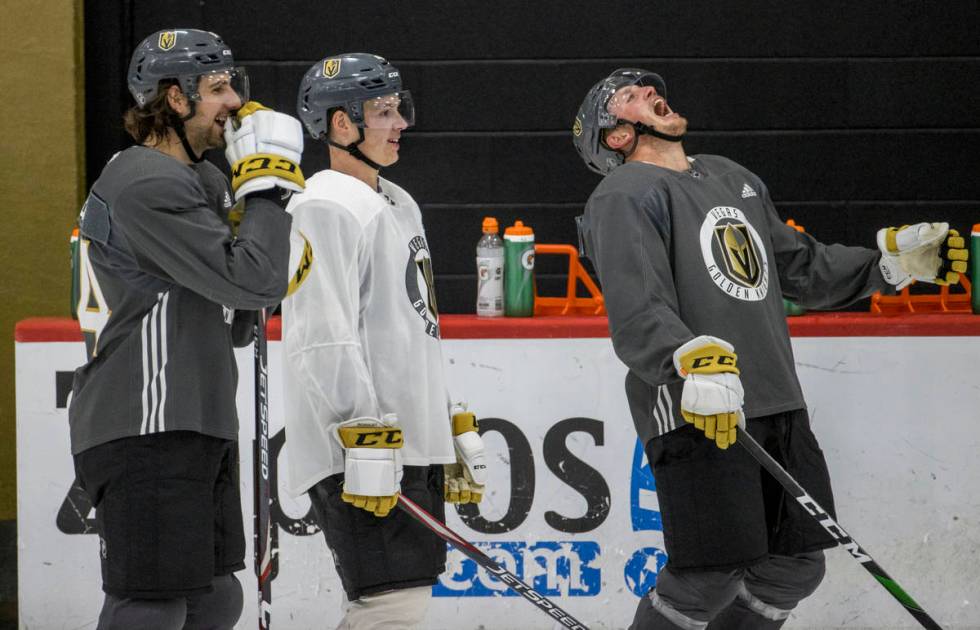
(712, 397)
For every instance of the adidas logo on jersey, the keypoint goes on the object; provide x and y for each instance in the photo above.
(748, 192)
(227, 200)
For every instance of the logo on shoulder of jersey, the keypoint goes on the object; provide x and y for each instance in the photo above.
(748, 191)
(227, 200)
(734, 254)
(167, 40)
(420, 286)
(331, 67)
(300, 261)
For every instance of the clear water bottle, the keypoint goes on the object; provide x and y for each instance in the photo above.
(490, 271)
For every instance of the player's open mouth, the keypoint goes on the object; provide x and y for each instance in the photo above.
(220, 121)
(660, 108)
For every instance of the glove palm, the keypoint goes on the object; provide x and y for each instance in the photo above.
(929, 252)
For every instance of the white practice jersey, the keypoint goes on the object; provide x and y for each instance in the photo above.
(361, 335)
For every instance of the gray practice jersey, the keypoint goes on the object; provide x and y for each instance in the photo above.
(703, 252)
(161, 275)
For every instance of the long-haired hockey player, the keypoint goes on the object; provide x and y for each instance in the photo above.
(154, 428)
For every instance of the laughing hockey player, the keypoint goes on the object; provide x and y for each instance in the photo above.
(365, 390)
(694, 262)
(154, 429)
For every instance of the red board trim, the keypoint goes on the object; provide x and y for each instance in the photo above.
(51, 329)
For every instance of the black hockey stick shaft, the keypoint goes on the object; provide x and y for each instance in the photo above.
(264, 539)
(442, 531)
(836, 531)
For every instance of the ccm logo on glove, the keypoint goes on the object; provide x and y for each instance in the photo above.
(701, 363)
(365, 437)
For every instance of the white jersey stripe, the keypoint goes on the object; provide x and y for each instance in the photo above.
(669, 403)
(162, 376)
(658, 412)
(154, 358)
(146, 373)
(154, 366)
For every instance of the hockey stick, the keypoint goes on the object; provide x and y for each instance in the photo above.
(843, 538)
(440, 529)
(264, 537)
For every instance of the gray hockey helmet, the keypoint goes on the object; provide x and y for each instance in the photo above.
(593, 117)
(349, 80)
(185, 55)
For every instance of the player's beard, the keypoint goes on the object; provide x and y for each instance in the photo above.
(676, 126)
(204, 137)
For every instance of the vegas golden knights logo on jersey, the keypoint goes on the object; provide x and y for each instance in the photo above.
(167, 40)
(331, 67)
(420, 286)
(739, 253)
(734, 254)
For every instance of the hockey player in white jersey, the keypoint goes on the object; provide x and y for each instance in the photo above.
(365, 391)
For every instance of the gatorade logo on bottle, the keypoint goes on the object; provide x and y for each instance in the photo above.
(527, 260)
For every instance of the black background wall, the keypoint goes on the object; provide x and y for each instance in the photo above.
(856, 114)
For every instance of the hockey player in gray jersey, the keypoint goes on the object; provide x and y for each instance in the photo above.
(694, 263)
(365, 390)
(154, 427)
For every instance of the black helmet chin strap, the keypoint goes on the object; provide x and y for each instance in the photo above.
(354, 149)
(650, 131)
(179, 128)
(646, 130)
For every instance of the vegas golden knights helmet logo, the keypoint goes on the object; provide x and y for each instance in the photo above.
(739, 253)
(167, 40)
(331, 67)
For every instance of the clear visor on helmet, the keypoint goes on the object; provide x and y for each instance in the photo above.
(219, 83)
(389, 111)
(621, 97)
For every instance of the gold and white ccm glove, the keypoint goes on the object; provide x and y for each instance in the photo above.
(466, 479)
(372, 462)
(712, 397)
(929, 252)
(264, 149)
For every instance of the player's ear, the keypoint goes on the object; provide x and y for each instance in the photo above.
(177, 100)
(619, 137)
(342, 126)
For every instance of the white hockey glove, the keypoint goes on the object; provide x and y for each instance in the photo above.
(930, 252)
(466, 479)
(712, 396)
(372, 462)
(264, 149)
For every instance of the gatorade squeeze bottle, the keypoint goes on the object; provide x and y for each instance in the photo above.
(975, 268)
(490, 271)
(518, 271)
